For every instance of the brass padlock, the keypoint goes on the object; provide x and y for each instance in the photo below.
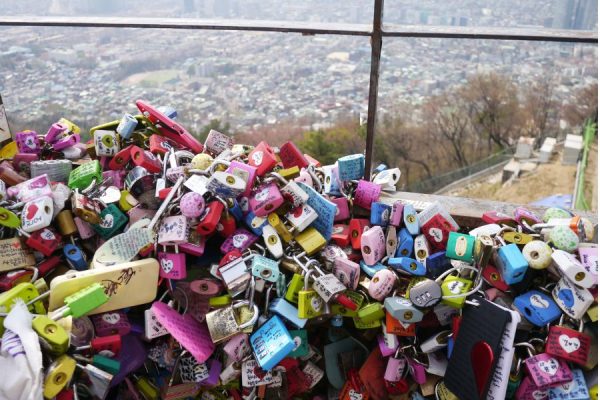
(223, 325)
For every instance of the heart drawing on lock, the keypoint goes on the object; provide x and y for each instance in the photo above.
(436, 234)
(566, 296)
(166, 265)
(549, 366)
(112, 318)
(569, 344)
(31, 211)
(262, 195)
(538, 301)
(239, 240)
(47, 234)
(257, 157)
(108, 221)
(455, 287)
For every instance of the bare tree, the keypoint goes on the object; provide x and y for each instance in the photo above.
(539, 110)
(583, 107)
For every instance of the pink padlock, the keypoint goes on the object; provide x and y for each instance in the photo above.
(84, 228)
(547, 370)
(192, 205)
(28, 142)
(217, 142)
(117, 177)
(396, 214)
(241, 239)
(343, 212)
(265, 199)
(395, 368)
(244, 171)
(111, 323)
(366, 193)
(382, 284)
(528, 390)
(305, 178)
(137, 213)
(526, 217)
(388, 344)
(173, 230)
(195, 244)
(417, 371)
(347, 271)
(22, 162)
(372, 245)
(237, 347)
(172, 265)
(66, 142)
(56, 132)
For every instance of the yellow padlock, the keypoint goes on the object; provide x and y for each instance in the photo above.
(281, 229)
(220, 301)
(25, 291)
(594, 392)
(70, 125)
(295, 286)
(289, 173)
(52, 333)
(201, 161)
(147, 389)
(311, 240)
(58, 376)
(310, 304)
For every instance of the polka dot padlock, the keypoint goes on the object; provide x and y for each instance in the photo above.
(538, 254)
(192, 205)
(564, 238)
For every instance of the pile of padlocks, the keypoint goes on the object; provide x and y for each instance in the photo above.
(155, 266)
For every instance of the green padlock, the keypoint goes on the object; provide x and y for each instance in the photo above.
(455, 286)
(52, 333)
(295, 286)
(82, 302)
(83, 176)
(371, 312)
(460, 246)
(111, 221)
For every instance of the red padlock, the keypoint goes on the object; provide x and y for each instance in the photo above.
(108, 346)
(210, 218)
(45, 240)
(569, 344)
(357, 227)
(492, 276)
(120, 160)
(160, 144)
(226, 225)
(341, 235)
(262, 158)
(143, 158)
(291, 156)
(10, 279)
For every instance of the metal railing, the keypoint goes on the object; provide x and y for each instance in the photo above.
(377, 31)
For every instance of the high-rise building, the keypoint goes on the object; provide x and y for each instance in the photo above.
(576, 14)
(189, 6)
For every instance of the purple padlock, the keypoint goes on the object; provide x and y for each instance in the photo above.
(265, 199)
(343, 212)
(366, 193)
(388, 344)
(28, 142)
(195, 244)
(526, 218)
(372, 245)
(241, 239)
(417, 371)
(172, 265)
(396, 214)
(132, 356)
(111, 323)
(214, 370)
(394, 371)
(66, 142)
(56, 132)
(117, 177)
(244, 171)
(192, 205)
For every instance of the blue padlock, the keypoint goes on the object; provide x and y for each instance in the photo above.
(370, 270)
(271, 343)
(255, 224)
(406, 244)
(325, 209)
(287, 311)
(75, 257)
(407, 265)
(511, 263)
(351, 167)
(265, 268)
(126, 126)
(380, 168)
(411, 221)
(380, 214)
(537, 307)
(236, 210)
(437, 264)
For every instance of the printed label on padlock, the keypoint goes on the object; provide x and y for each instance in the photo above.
(327, 286)
(546, 370)
(572, 300)
(37, 214)
(152, 327)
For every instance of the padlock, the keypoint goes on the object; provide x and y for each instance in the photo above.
(301, 217)
(106, 143)
(372, 244)
(563, 238)
(121, 158)
(370, 270)
(510, 263)
(265, 199)
(411, 222)
(52, 333)
(351, 167)
(235, 276)
(405, 244)
(272, 241)
(172, 265)
(388, 178)
(347, 271)
(160, 145)
(572, 269)
(310, 304)
(331, 182)
(407, 266)
(22, 162)
(254, 223)
(262, 157)
(192, 205)
(296, 284)
(395, 368)
(291, 156)
(145, 159)
(342, 212)
(222, 323)
(240, 239)
(9, 280)
(112, 220)
(107, 346)
(86, 209)
(380, 214)
(75, 257)
(66, 142)
(382, 284)
(56, 132)
(483, 250)
(58, 376)
(341, 235)
(546, 370)
(366, 193)
(525, 217)
(437, 342)
(31, 189)
(37, 214)
(576, 389)
(568, 344)
(244, 171)
(402, 309)
(357, 227)
(46, 240)
(265, 268)
(589, 258)
(537, 307)
(571, 299)
(210, 218)
(436, 224)
(396, 213)
(225, 185)
(455, 287)
(493, 277)
(311, 241)
(424, 293)
(277, 224)
(460, 246)
(422, 248)
(83, 176)
(28, 142)
(370, 313)
(111, 323)
(330, 288)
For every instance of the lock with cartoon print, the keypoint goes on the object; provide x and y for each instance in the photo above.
(226, 185)
(172, 264)
(222, 323)
(37, 214)
(28, 142)
(45, 240)
(112, 220)
(545, 370)
(106, 143)
(240, 239)
(265, 199)
(262, 157)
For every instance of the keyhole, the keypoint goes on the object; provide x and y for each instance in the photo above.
(272, 239)
(376, 279)
(535, 255)
(50, 329)
(408, 314)
(72, 252)
(579, 276)
(391, 243)
(60, 378)
(413, 266)
(354, 234)
(230, 179)
(47, 209)
(404, 252)
(517, 238)
(421, 253)
(204, 287)
(136, 155)
(3, 216)
(494, 276)
(411, 218)
(265, 273)
(269, 207)
(366, 250)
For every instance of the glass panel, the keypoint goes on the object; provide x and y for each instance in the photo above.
(346, 11)
(450, 109)
(272, 84)
(561, 14)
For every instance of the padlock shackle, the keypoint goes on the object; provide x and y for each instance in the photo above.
(476, 288)
(165, 203)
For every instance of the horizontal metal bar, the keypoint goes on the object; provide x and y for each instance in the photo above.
(389, 30)
(495, 33)
(192, 23)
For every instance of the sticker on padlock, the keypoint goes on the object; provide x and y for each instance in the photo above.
(572, 300)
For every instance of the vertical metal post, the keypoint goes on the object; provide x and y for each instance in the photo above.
(376, 42)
